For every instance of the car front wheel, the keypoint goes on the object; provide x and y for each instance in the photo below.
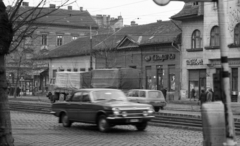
(103, 124)
(65, 121)
(141, 126)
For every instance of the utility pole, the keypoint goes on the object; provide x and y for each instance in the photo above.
(222, 19)
(91, 48)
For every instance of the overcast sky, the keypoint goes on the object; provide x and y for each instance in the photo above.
(141, 11)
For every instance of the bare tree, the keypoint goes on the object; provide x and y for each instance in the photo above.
(15, 25)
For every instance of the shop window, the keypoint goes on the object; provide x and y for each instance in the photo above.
(172, 81)
(234, 79)
(160, 74)
(197, 82)
(54, 73)
(196, 39)
(215, 39)
(69, 69)
(237, 34)
(148, 70)
(61, 69)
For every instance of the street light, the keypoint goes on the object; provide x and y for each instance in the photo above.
(222, 19)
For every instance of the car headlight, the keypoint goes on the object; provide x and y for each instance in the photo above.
(145, 113)
(124, 114)
(116, 111)
(150, 110)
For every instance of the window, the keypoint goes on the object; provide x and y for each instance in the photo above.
(195, 3)
(69, 69)
(82, 69)
(74, 38)
(133, 67)
(85, 97)
(196, 39)
(215, 39)
(75, 69)
(237, 34)
(77, 97)
(133, 94)
(44, 39)
(59, 40)
(142, 94)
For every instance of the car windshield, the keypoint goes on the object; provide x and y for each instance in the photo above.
(109, 95)
(155, 94)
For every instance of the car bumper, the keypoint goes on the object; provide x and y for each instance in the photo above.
(128, 120)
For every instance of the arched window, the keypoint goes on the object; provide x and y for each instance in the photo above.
(237, 34)
(196, 39)
(215, 40)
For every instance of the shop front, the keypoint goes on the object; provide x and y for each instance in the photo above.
(161, 73)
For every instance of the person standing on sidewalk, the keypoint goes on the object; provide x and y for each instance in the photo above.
(209, 95)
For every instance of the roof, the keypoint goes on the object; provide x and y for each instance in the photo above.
(62, 17)
(188, 10)
(78, 47)
(154, 33)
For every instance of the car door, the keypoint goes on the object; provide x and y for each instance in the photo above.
(89, 109)
(142, 97)
(75, 107)
(133, 96)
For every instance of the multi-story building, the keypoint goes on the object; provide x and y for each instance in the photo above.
(54, 30)
(201, 47)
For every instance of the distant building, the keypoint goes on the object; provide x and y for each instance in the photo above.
(54, 30)
(108, 24)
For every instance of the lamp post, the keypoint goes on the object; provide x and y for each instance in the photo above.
(222, 19)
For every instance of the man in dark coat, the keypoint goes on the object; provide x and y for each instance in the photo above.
(202, 97)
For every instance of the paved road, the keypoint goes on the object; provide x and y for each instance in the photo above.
(30, 129)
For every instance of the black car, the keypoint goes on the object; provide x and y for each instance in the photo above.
(103, 107)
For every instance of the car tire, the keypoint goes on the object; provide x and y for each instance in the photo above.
(156, 109)
(141, 126)
(103, 125)
(65, 121)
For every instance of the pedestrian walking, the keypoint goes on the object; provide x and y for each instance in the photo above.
(202, 97)
(193, 94)
(209, 95)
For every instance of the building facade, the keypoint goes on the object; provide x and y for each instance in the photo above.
(54, 30)
(201, 48)
(150, 48)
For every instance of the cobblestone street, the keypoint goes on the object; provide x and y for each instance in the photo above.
(30, 129)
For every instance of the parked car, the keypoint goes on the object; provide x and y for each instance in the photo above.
(152, 97)
(103, 107)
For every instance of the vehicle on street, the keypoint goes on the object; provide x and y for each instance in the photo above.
(152, 97)
(103, 107)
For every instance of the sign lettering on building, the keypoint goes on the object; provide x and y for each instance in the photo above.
(159, 57)
(194, 62)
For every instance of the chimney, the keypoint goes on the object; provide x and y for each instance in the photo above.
(26, 4)
(69, 7)
(52, 6)
(81, 9)
(133, 23)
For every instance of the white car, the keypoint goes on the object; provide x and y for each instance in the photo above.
(153, 97)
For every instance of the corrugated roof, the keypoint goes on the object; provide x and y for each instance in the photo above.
(63, 17)
(187, 11)
(154, 33)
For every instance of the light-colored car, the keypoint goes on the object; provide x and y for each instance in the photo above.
(153, 97)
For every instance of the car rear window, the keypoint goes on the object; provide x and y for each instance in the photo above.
(155, 94)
